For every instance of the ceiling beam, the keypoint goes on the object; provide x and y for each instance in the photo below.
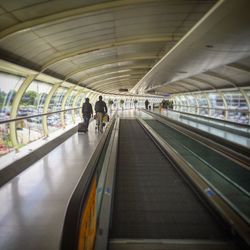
(110, 45)
(191, 84)
(111, 61)
(68, 15)
(181, 85)
(171, 88)
(93, 79)
(238, 67)
(116, 84)
(124, 83)
(88, 79)
(203, 81)
(220, 77)
(109, 78)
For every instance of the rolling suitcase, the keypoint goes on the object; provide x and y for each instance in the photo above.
(82, 127)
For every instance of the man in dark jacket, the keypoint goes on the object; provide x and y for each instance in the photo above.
(101, 110)
(87, 112)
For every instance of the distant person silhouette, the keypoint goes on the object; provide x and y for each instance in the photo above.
(100, 109)
(87, 112)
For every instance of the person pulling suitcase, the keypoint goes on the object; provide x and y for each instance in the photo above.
(87, 112)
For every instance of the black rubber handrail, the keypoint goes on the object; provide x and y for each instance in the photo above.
(215, 125)
(213, 119)
(231, 149)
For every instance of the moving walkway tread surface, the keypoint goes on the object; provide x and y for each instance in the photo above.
(151, 200)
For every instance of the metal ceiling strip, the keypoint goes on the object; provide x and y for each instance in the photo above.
(220, 77)
(108, 62)
(69, 14)
(187, 83)
(108, 72)
(89, 79)
(134, 40)
(143, 82)
(191, 84)
(238, 67)
(181, 85)
(111, 78)
(203, 81)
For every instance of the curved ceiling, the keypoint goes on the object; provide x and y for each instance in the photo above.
(101, 45)
(215, 54)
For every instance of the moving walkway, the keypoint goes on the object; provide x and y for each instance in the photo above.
(231, 148)
(144, 194)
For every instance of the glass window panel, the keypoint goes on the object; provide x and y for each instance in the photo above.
(54, 121)
(217, 105)
(248, 93)
(215, 100)
(202, 101)
(235, 100)
(184, 104)
(78, 105)
(183, 101)
(32, 103)
(69, 103)
(70, 99)
(56, 100)
(191, 100)
(9, 85)
(177, 103)
(237, 107)
(79, 99)
(203, 104)
(203, 111)
(33, 99)
(191, 104)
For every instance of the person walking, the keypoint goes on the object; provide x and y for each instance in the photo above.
(87, 112)
(146, 104)
(100, 109)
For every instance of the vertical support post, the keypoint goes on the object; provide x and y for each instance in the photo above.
(74, 105)
(63, 104)
(45, 108)
(247, 101)
(174, 101)
(209, 104)
(187, 102)
(15, 105)
(225, 104)
(197, 106)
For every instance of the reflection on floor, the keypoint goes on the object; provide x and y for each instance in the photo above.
(33, 204)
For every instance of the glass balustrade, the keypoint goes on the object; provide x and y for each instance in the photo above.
(30, 128)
